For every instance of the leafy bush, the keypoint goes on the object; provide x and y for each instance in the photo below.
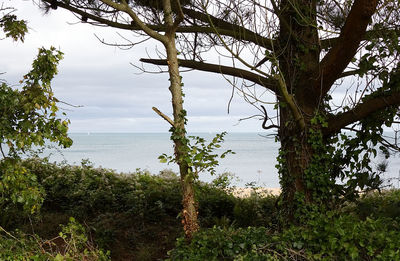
(219, 244)
(20, 192)
(214, 205)
(256, 210)
(385, 204)
(327, 236)
(135, 210)
(84, 191)
(71, 244)
(87, 192)
(136, 215)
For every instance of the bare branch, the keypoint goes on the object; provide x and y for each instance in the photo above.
(264, 124)
(225, 28)
(349, 73)
(165, 117)
(124, 7)
(369, 35)
(268, 83)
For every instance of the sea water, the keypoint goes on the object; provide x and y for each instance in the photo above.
(253, 162)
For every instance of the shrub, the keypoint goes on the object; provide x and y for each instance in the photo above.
(256, 210)
(385, 204)
(138, 213)
(123, 211)
(21, 194)
(329, 236)
(214, 205)
(219, 244)
(71, 244)
(84, 191)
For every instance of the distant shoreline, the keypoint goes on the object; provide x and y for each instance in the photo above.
(241, 192)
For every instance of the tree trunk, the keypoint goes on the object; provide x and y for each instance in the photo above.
(189, 212)
(299, 45)
(296, 154)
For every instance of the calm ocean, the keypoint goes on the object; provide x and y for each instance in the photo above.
(254, 161)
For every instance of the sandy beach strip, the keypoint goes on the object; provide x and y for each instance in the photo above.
(247, 192)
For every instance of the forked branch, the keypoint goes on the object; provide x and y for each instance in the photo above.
(353, 32)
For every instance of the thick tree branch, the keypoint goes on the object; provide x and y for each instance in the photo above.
(349, 73)
(369, 35)
(236, 31)
(353, 32)
(361, 111)
(268, 83)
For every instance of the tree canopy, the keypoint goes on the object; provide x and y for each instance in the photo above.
(327, 67)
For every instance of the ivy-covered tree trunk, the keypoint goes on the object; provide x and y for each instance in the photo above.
(189, 212)
(300, 57)
(295, 155)
(178, 135)
(305, 174)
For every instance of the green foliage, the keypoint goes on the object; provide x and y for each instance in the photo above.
(19, 188)
(12, 27)
(76, 244)
(214, 205)
(139, 209)
(85, 192)
(220, 244)
(71, 244)
(256, 210)
(329, 236)
(200, 156)
(137, 213)
(340, 167)
(223, 181)
(379, 205)
(28, 117)
(333, 236)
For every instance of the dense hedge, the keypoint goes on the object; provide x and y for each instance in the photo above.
(137, 217)
(138, 212)
(329, 236)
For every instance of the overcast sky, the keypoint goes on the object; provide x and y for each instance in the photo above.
(113, 96)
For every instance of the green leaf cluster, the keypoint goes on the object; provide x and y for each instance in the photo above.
(28, 118)
(201, 156)
(19, 188)
(12, 27)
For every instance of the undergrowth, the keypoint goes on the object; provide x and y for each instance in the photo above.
(136, 217)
